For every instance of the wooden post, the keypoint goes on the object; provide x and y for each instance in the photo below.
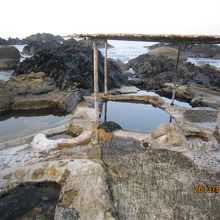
(96, 108)
(217, 123)
(95, 65)
(176, 75)
(105, 113)
(106, 68)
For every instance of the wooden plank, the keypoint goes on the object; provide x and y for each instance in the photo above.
(167, 38)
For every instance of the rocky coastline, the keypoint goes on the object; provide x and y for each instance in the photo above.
(98, 170)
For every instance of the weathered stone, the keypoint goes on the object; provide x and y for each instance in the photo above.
(37, 174)
(65, 213)
(40, 91)
(9, 57)
(52, 172)
(167, 52)
(25, 104)
(160, 131)
(104, 136)
(19, 174)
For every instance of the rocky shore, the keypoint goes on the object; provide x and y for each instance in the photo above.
(86, 169)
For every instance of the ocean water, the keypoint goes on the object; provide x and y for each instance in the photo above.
(126, 50)
(204, 61)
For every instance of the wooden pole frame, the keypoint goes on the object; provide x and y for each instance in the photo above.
(95, 66)
(106, 69)
(176, 76)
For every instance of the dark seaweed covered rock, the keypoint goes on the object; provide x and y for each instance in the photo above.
(157, 70)
(71, 65)
(36, 46)
(109, 126)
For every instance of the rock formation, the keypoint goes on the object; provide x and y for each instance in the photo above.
(195, 50)
(71, 65)
(9, 57)
(36, 46)
(157, 70)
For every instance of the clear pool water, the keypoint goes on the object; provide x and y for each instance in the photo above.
(20, 124)
(134, 117)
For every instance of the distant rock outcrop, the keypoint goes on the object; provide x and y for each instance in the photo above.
(71, 65)
(36, 46)
(194, 50)
(2, 41)
(45, 37)
(9, 57)
(157, 70)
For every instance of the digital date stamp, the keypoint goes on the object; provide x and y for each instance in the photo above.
(206, 188)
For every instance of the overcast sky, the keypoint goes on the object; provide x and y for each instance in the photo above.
(20, 18)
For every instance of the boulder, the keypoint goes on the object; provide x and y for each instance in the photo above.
(3, 41)
(109, 126)
(194, 50)
(9, 57)
(169, 52)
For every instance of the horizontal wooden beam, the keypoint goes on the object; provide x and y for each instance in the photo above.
(166, 38)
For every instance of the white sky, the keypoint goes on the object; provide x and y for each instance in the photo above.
(20, 18)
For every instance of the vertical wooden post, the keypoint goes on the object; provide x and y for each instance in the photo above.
(96, 108)
(105, 116)
(217, 123)
(176, 75)
(106, 68)
(95, 66)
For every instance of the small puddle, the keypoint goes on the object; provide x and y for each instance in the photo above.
(133, 116)
(30, 201)
(62, 135)
(19, 124)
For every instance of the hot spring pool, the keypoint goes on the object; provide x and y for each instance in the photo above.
(132, 116)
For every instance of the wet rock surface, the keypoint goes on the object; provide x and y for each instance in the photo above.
(71, 65)
(30, 201)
